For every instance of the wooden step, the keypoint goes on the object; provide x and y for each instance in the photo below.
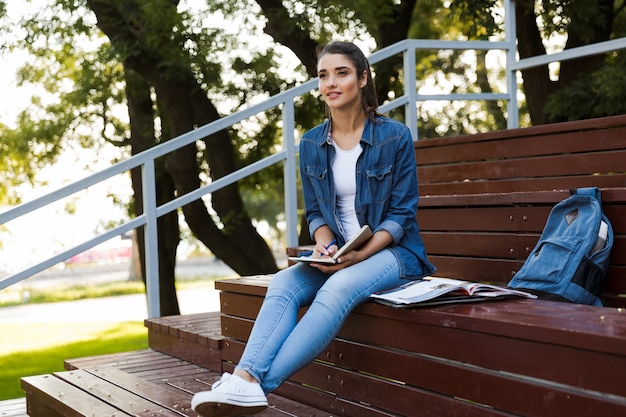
(185, 357)
(13, 408)
(196, 338)
(141, 383)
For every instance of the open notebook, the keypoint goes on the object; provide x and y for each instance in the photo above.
(356, 242)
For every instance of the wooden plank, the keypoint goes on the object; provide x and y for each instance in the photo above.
(158, 378)
(252, 285)
(588, 328)
(13, 408)
(612, 198)
(114, 394)
(378, 392)
(520, 147)
(155, 399)
(518, 185)
(540, 167)
(48, 396)
(114, 359)
(203, 328)
(498, 271)
(201, 354)
(484, 219)
(242, 305)
(589, 125)
(573, 326)
(497, 245)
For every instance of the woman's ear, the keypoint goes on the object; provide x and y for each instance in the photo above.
(363, 80)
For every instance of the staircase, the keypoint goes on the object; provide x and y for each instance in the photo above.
(184, 357)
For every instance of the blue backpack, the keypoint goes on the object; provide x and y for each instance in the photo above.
(571, 259)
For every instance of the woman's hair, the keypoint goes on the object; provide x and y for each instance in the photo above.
(369, 101)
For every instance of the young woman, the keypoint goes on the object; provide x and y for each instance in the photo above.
(357, 168)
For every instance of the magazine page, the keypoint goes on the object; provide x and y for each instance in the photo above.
(417, 292)
(426, 289)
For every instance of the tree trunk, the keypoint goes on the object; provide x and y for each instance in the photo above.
(185, 106)
(583, 31)
(285, 31)
(140, 109)
(392, 29)
(537, 84)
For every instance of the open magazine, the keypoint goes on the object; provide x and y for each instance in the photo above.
(432, 291)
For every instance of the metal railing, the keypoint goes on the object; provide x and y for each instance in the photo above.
(146, 160)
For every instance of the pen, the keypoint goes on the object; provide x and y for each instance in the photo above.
(332, 242)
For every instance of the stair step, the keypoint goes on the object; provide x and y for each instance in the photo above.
(13, 408)
(142, 383)
(196, 338)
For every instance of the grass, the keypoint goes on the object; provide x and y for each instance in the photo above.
(34, 349)
(40, 348)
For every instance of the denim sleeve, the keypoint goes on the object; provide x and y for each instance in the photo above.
(313, 211)
(402, 207)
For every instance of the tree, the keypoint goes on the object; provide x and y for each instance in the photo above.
(168, 69)
(574, 94)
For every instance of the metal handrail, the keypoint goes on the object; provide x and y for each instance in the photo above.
(145, 160)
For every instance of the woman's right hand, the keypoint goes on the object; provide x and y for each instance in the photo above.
(326, 250)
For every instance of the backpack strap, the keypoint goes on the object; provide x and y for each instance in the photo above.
(587, 191)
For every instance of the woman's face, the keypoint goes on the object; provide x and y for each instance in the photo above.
(339, 83)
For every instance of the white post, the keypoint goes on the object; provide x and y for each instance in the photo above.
(151, 238)
(510, 35)
(410, 90)
(290, 174)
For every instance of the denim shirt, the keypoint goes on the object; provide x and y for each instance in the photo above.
(386, 193)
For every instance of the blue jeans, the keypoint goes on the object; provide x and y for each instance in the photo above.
(279, 345)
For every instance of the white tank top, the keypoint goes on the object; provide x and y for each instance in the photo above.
(344, 175)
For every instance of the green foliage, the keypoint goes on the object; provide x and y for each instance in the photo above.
(603, 93)
(83, 77)
(453, 71)
(475, 19)
(557, 16)
(78, 91)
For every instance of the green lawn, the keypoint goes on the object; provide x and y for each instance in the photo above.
(40, 348)
(34, 349)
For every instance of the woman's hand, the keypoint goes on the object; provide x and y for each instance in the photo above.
(379, 241)
(345, 260)
(325, 251)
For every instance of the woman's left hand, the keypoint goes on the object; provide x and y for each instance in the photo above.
(344, 261)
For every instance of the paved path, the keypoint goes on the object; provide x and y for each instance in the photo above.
(107, 309)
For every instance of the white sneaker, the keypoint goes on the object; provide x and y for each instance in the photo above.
(230, 396)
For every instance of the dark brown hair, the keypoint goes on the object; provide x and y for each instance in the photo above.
(369, 101)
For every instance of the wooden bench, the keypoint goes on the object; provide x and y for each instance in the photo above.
(484, 200)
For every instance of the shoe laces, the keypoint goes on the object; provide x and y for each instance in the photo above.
(223, 379)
